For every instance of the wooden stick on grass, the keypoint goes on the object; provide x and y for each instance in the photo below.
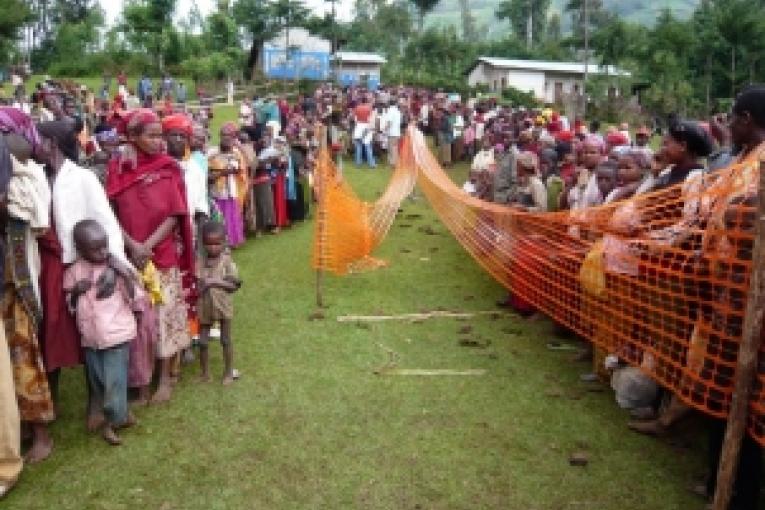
(412, 316)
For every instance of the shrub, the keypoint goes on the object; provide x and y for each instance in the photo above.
(517, 97)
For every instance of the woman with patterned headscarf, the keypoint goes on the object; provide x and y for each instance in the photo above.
(28, 200)
(146, 189)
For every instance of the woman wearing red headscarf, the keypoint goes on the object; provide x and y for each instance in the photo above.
(147, 192)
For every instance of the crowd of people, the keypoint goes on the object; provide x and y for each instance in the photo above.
(536, 160)
(121, 219)
(118, 230)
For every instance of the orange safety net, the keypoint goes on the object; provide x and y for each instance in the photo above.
(347, 229)
(660, 280)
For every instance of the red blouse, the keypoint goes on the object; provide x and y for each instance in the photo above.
(144, 200)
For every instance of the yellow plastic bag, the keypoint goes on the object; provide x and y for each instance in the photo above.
(592, 274)
(150, 280)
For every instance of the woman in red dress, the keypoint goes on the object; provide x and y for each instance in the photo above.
(147, 192)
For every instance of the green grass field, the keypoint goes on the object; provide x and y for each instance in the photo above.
(310, 425)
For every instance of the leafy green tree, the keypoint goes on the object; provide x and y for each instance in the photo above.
(328, 28)
(468, 21)
(289, 13)
(527, 17)
(554, 28)
(74, 11)
(614, 42)
(742, 27)
(423, 7)
(221, 30)
(147, 23)
(256, 19)
(14, 15)
(76, 38)
(386, 32)
(597, 15)
(664, 62)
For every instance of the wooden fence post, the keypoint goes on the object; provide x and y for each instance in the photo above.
(320, 218)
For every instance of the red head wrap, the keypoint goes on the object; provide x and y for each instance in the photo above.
(616, 138)
(177, 122)
(138, 119)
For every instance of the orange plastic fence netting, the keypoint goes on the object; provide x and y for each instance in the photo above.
(348, 229)
(660, 279)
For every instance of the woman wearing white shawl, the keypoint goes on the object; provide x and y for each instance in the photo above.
(76, 195)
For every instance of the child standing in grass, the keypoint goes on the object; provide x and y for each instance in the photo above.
(103, 302)
(218, 279)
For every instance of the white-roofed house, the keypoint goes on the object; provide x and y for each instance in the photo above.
(550, 82)
(358, 68)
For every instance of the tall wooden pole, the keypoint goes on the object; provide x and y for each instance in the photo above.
(746, 367)
(321, 218)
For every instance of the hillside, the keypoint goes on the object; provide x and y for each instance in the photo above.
(640, 11)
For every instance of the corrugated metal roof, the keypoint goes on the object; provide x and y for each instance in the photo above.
(556, 67)
(359, 57)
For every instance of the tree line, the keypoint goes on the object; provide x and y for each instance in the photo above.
(692, 65)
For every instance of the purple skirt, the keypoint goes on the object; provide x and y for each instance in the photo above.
(232, 215)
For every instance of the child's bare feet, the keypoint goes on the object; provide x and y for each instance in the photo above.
(95, 421)
(110, 436)
(163, 393)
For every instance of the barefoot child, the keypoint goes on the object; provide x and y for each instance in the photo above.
(218, 278)
(103, 303)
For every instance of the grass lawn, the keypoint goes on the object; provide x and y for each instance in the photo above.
(310, 425)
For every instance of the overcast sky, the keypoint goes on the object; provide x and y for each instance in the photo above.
(319, 7)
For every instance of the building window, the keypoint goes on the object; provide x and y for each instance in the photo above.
(495, 85)
(504, 83)
(576, 88)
